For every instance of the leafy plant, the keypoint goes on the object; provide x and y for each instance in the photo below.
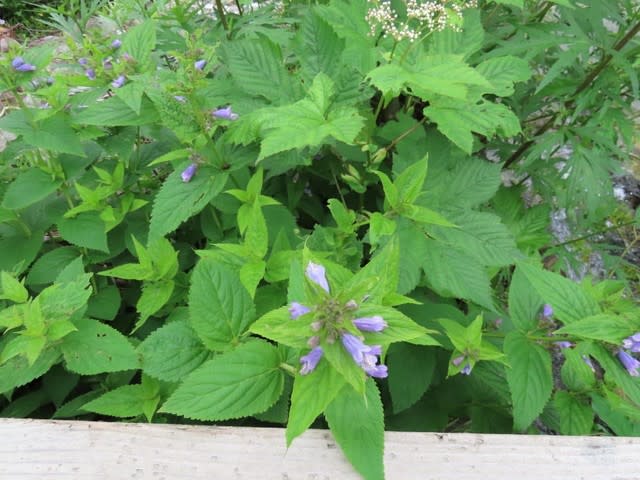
(321, 215)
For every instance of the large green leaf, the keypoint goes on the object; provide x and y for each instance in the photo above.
(139, 42)
(278, 326)
(49, 265)
(115, 112)
(177, 201)
(308, 122)
(311, 395)
(97, 348)
(570, 302)
(85, 230)
(172, 352)
(411, 369)
(318, 47)
(220, 308)
(29, 187)
(576, 417)
(17, 371)
(357, 423)
(529, 378)
(606, 327)
(503, 72)
(126, 401)
(17, 252)
(242, 382)
(524, 302)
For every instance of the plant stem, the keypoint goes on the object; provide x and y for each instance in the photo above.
(221, 14)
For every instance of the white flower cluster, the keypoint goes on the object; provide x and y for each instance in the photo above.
(431, 15)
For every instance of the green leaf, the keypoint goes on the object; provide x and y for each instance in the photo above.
(139, 42)
(452, 273)
(115, 112)
(503, 72)
(105, 304)
(154, 296)
(172, 352)
(410, 182)
(318, 47)
(309, 122)
(85, 230)
(357, 423)
(17, 252)
(177, 201)
(569, 300)
(242, 382)
(96, 348)
(17, 371)
(129, 271)
(575, 373)
(220, 307)
(12, 289)
(48, 266)
(411, 370)
(28, 188)
(524, 302)
(606, 327)
(124, 402)
(576, 417)
(311, 395)
(399, 328)
(529, 378)
(277, 325)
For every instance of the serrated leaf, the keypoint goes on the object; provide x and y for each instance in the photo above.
(177, 201)
(399, 328)
(139, 42)
(529, 378)
(318, 47)
(235, 384)
(49, 265)
(411, 369)
(124, 402)
(570, 302)
(28, 188)
(85, 230)
(606, 327)
(96, 348)
(576, 417)
(278, 326)
(503, 72)
(357, 423)
(524, 302)
(452, 273)
(172, 352)
(115, 112)
(154, 296)
(17, 371)
(311, 395)
(220, 308)
(12, 289)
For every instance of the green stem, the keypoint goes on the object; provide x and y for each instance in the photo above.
(221, 14)
(289, 369)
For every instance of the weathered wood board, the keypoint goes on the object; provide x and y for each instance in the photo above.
(60, 450)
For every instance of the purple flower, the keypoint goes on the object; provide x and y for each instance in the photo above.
(317, 274)
(117, 43)
(20, 65)
(180, 98)
(83, 61)
(106, 64)
(370, 363)
(355, 347)
(370, 324)
(547, 310)
(631, 364)
(632, 343)
(50, 80)
(458, 360)
(225, 114)
(310, 360)
(90, 73)
(563, 344)
(188, 173)
(119, 82)
(200, 64)
(467, 369)
(297, 309)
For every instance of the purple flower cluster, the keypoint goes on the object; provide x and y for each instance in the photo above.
(365, 356)
(19, 65)
(630, 344)
(466, 370)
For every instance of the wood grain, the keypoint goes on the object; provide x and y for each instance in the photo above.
(61, 450)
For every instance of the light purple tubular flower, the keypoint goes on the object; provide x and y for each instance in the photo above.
(370, 324)
(119, 82)
(200, 64)
(20, 65)
(90, 73)
(355, 347)
(225, 114)
(563, 344)
(106, 64)
(587, 360)
(547, 310)
(631, 364)
(458, 360)
(467, 369)
(632, 343)
(297, 309)
(180, 98)
(188, 173)
(370, 363)
(83, 61)
(317, 274)
(117, 43)
(310, 360)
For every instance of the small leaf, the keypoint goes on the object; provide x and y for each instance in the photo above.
(124, 402)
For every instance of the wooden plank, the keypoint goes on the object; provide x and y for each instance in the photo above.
(60, 450)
